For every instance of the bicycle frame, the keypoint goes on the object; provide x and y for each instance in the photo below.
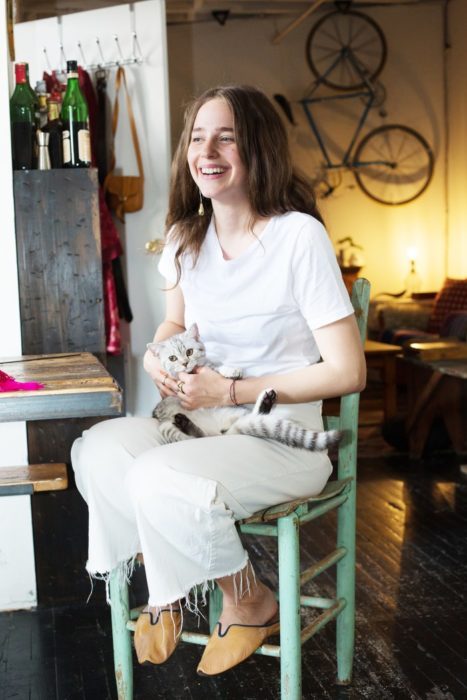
(368, 93)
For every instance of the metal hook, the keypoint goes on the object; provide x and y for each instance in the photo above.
(137, 58)
(100, 51)
(62, 55)
(46, 56)
(119, 50)
(82, 53)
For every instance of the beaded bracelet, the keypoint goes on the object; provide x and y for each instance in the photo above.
(233, 397)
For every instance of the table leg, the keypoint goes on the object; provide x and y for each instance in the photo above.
(390, 393)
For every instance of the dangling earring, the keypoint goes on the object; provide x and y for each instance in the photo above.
(201, 205)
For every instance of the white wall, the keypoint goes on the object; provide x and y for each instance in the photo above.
(205, 54)
(148, 87)
(17, 575)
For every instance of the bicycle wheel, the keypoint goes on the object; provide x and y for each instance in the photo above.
(393, 164)
(345, 48)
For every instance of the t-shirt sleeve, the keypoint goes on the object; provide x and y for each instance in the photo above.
(317, 281)
(166, 264)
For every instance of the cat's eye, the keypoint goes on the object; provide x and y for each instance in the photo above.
(189, 352)
(173, 358)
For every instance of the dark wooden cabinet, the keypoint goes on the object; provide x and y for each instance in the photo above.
(59, 261)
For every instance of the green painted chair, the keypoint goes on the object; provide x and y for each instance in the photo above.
(284, 522)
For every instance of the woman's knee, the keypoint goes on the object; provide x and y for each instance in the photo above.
(108, 449)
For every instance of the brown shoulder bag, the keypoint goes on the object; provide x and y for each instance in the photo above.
(125, 193)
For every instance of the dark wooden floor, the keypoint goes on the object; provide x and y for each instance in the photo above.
(411, 600)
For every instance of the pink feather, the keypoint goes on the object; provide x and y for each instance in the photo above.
(8, 383)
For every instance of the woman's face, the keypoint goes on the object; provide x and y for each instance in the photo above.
(213, 156)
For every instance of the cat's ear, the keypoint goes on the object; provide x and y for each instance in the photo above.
(154, 348)
(193, 331)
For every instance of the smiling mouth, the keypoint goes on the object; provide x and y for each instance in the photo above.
(212, 171)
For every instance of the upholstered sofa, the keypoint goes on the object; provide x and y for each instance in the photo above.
(429, 317)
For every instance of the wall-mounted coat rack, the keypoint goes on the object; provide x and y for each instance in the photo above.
(113, 58)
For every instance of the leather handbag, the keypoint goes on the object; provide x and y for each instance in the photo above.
(125, 193)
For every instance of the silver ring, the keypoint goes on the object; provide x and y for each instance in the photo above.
(164, 380)
(180, 386)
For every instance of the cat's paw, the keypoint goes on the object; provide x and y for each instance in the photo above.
(265, 401)
(182, 422)
(230, 372)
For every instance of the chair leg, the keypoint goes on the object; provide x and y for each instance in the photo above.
(215, 607)
(345, 633)
(121, 636)
(289, 601)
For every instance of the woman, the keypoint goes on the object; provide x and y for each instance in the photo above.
(248, 260)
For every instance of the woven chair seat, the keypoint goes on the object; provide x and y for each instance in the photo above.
(332, 488)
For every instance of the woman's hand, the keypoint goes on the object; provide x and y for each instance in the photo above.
(203, 389)
(166, 384)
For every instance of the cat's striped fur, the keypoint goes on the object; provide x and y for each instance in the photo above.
(178, 424)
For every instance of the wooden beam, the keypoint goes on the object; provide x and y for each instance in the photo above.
(296, 22)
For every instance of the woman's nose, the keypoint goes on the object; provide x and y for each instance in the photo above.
(209, 147)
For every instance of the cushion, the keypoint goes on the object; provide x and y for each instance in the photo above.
(451, 297)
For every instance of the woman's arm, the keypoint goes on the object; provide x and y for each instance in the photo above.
(342, 371)
(172, 324)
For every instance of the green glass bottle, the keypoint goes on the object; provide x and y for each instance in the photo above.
(22, 118)
(75, 121)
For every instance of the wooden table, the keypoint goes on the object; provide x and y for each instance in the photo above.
(436, 388)
(76, 385)
(382, 356)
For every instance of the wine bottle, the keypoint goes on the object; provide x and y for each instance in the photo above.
(75, 120)
(54, 129)
(22, 117)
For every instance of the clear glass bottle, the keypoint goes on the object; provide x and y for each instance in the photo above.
(75, 121)
(22, 117)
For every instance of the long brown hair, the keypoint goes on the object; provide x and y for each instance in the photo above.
(274, 186)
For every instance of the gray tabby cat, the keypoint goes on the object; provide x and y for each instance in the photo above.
(185, 351)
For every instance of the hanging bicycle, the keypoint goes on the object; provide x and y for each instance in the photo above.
(392, 164)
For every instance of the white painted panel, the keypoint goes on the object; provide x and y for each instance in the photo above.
(17, 575)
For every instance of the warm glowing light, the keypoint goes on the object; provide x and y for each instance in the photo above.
(412, 253)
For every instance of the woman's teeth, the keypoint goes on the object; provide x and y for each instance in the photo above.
(212, 171)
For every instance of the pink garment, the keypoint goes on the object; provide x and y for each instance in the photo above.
(8, 383)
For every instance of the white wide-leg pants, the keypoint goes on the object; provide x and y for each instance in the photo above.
(177, 504)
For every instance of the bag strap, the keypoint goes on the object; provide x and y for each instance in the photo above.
(121, 78)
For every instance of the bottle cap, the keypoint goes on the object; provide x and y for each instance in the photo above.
(71, 66)
(20, 72)
(53, 110)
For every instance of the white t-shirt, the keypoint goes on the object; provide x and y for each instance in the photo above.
(257, 311)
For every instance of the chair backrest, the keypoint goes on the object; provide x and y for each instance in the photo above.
(347, 420)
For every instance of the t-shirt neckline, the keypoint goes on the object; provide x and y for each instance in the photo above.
(258, 240)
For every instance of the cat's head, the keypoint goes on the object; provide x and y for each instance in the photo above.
(180, 353)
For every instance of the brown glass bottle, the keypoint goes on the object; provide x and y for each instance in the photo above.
(54, 129)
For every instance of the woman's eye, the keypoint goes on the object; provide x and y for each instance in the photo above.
(227, 139)
(189, 352)
(173, 358)
(195, 139)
